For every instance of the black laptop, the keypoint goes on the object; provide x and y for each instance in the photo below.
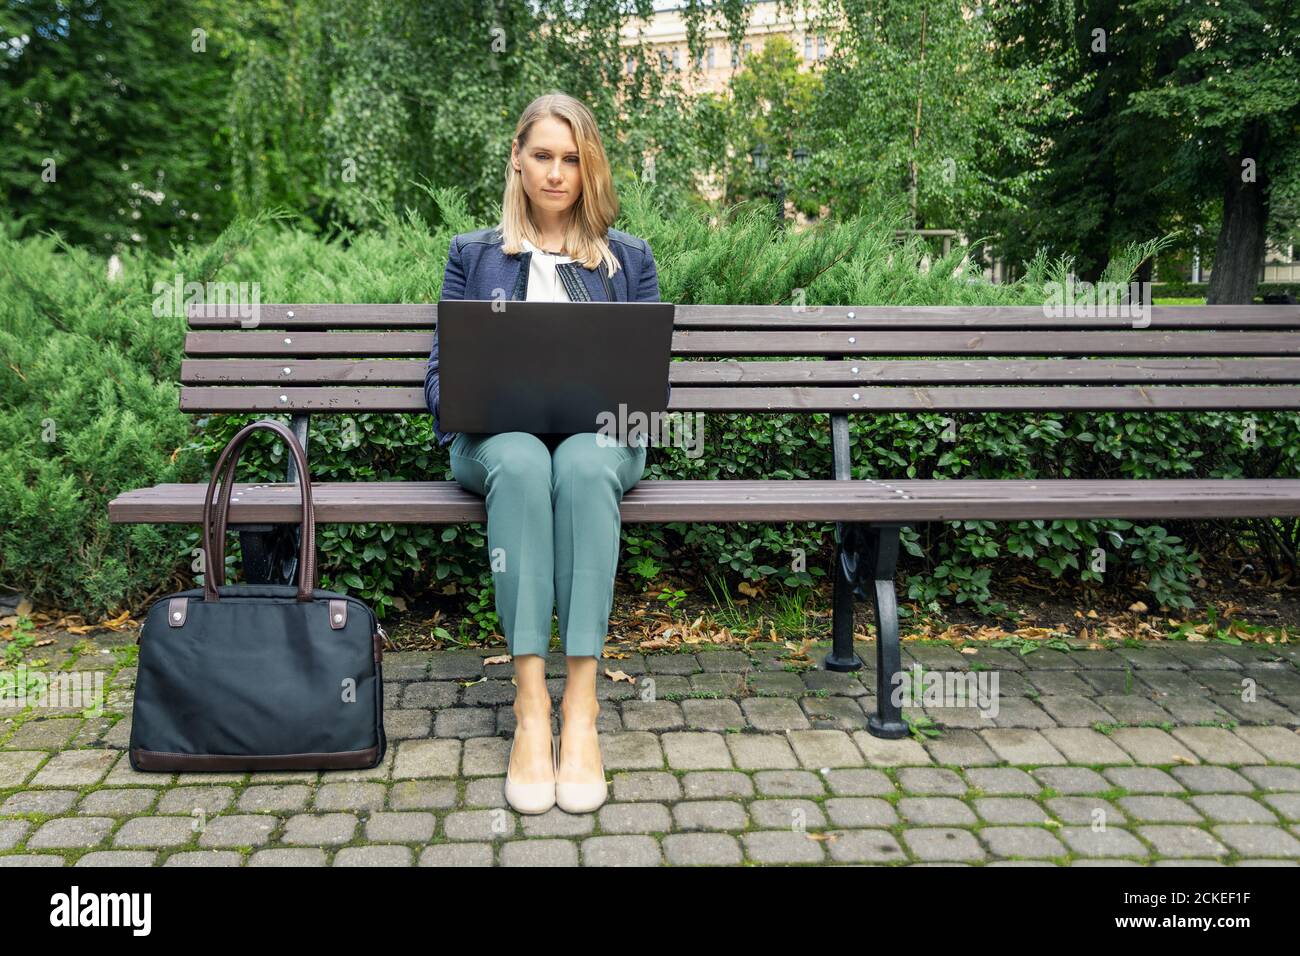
(550, 367)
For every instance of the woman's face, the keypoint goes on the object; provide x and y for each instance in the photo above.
(548, 163)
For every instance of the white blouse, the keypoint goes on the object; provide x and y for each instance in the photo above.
(544, 283)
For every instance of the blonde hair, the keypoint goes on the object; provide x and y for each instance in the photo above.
(596, 208)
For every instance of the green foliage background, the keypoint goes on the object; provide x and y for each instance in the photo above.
(89, 409)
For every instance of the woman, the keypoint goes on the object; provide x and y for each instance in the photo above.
(552, 499)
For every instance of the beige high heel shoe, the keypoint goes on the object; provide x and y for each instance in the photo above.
(580, 797)
(531, 797)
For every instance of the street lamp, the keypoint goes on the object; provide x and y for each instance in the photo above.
(776, 189)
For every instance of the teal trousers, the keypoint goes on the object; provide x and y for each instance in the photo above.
(553, 530)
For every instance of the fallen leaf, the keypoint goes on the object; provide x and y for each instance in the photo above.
(117, 622)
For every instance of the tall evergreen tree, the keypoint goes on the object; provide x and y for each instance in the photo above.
(111, 110)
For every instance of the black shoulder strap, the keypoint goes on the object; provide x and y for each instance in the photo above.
(520, 291)
(609, 283)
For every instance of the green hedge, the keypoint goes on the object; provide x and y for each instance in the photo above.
(1192, 290)
(90, 409)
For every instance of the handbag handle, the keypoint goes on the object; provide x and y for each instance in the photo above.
(223, 515)
(222, 520)
(214, 531)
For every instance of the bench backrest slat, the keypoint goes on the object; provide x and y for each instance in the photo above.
(412, 317)
(399, 344)
(316, 358)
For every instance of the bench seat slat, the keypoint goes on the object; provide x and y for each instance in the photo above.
(796, 399)
(444, 502)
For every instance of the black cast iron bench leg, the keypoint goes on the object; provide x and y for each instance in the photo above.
(869, 553)
(269, 552)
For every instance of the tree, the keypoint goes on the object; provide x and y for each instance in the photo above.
(916, 107)
(110, 133)
(1167, 101)
(1234, 97)
(769, 107)
(377, 97)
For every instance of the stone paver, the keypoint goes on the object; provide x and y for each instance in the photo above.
(826, 748)
(621, 851)
(1010, 810)
(75, 768)
(1157, 809)
(1110, 842)
(1143, 780)
(1124, 757)
(238, 830)
(1273, 778)
(315, 829)
(1263, 841)
(891, 753)
(1021, 842)
(1072, 780)
(1211, 779)
(1093, 811)
(1020, 746)
(782, 846)
(961, 748)
(1275, 743)
(931, 811)
(861, 812)
(697, 750)
(1084, 745)
(155, 832)
(942, 843)
(70, 832)
(1219, 746)
(1002, 780)
(1151, 745)
(702, 849)
(1232, 808)
(1285, 805)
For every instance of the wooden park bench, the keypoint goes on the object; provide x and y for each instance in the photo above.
(305, 360)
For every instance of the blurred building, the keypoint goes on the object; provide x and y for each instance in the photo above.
(664, 35)
(664, 39)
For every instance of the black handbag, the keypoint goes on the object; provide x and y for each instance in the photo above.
(248, 677)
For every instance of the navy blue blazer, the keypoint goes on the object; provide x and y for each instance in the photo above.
(478, 269)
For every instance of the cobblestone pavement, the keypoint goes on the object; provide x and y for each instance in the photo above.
(1130, 756)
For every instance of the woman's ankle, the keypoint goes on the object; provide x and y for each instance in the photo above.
(580, 712)
(532, 710)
